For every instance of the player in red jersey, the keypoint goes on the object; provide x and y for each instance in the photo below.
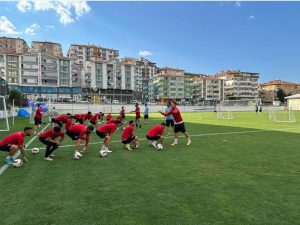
(108, 117)
(38, 118)
(156, 135)
(179, 124)
(95, 119)
(137, 116)
(122, 112)
(128, 137)
(48, 138)
(80, 132)
(14, 142)
(59, 120)
(80, 118)
(106, 131)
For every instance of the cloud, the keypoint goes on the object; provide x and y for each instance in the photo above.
(67, 10)
(7, 27)
(31, 30)
(50, 26)
(252, 17)
(145, 53)
(238, 4)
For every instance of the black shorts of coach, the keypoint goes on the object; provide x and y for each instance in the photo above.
(128, 140)
(100, 134)
(179, 128)
(123, 116)
(170, 123)
(146, 116)
(72, 135)
(155, 138)
(5, 148)
(37, 121)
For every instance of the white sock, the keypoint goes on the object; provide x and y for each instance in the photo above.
(176, 140)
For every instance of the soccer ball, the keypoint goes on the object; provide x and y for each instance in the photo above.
(35, 151)
(102, 153)
(159, 147)
(17, 163)
(77, 155)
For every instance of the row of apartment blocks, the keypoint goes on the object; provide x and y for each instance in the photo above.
(43, 71)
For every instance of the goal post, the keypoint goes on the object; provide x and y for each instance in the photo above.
(282, 114)
(224, 113)
(4, 124)
(240, 105)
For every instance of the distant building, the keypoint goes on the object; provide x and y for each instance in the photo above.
(269, 89)
(208, 90)
(48, 48)
(239, 85)
(10, 45)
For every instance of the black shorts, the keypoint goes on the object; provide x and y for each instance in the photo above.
(129, 140)
(100, 134)
(146, 116)
(123, 116)
(93, 122)
(179, 128)
(37, 121)
(72, 135)
(170, 123)
(5, 148)
(155, 138)
(137, 117)
(79, 121)
(45, 141)
(56, 122)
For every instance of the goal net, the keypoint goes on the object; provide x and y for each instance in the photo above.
(282, 114)
(4, 124)
(107, 109)
(224, 112)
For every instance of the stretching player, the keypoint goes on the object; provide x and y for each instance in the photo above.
(80, 132)
(156, 135)
(108, 117)
(95, 119)
(14, 142)
(179, 124)
(48, 138)
(106, 131)
(128, 137)
(59, 120)
(80, 118)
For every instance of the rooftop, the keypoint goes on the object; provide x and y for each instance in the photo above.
(278, 82)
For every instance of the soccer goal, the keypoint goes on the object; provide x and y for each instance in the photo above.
(224, 112)
(282, 114)
(4, 124)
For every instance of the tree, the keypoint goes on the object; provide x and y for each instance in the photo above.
(15, 95)
(280, 95)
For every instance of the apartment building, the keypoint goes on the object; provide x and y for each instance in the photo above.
(268, 90)
(167, 85)
(10, 45)
(239, 85)
(48, 48)
(208, 90)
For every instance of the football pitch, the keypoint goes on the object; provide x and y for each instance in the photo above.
(242, 171)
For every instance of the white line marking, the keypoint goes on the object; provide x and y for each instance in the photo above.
(5, 166)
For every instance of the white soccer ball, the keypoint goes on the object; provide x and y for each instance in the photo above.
(35, 151)
(160, 147)
(77, 155)
(17, 163)
(102, 153)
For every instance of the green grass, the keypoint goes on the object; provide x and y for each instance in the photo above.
(223, 178)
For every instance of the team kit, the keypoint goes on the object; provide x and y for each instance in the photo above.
(105, 127)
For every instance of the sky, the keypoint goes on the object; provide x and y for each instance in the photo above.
(199, 37)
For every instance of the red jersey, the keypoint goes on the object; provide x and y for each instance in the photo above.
(50, 134)
(157, 130)
(127, 132)
(68, 124)
(107, 128)
(108, 117)
(81, 130)
(122, 112)
(113, 121)
(13, 139)
(85, 116)
(95, 117)
(38, 113)
(77, 116)
(63, 118)
(175, 113)
(137, 111)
